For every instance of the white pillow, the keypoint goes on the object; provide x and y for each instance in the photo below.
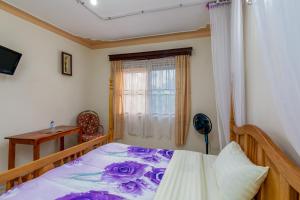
(237, 177)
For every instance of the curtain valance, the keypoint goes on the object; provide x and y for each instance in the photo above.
(152, 54)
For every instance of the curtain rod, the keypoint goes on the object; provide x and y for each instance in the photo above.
(151, 54)
(217, 3)
(140, 12)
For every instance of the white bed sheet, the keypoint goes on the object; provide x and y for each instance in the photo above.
(190, 175)
(212, 189)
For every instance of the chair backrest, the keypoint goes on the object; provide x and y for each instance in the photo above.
(89, 122)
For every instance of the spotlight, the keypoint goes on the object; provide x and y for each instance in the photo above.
(94, 2)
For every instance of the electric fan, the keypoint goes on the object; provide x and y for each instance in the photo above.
(203, 125)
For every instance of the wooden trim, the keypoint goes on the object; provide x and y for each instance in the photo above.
(151, 54)
(203, 32)
(110, 114)
(232, 120)
(99, 44)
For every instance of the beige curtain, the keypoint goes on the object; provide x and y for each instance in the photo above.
(117, 99)
(183, 99)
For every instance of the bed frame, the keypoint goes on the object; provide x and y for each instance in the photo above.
(282, 182)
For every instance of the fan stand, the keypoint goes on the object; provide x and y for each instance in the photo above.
(203, 125)
(206, 142)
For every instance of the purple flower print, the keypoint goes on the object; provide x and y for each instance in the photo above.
(140, 151)
(133, 187)
(152, 159)
(156, 175)
(74, 162)
(91, 195)
(166, 153)
(124, 171)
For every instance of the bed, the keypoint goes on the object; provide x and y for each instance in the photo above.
(85, 170)
(119, 171)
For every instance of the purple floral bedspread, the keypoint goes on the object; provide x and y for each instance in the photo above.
(111, 172)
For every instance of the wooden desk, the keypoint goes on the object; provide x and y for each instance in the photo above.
(37, 137)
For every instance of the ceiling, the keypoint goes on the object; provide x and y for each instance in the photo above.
(71, 16)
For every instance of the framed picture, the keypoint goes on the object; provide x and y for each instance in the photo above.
(66, 63)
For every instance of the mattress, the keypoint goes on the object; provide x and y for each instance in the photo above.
(212, 189)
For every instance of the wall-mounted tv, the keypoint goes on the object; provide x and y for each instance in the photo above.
(9, 60)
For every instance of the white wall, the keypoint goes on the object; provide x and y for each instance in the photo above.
(38, 92)
(261, 109)
(203, 99)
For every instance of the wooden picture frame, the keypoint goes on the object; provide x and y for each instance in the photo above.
(66, 64)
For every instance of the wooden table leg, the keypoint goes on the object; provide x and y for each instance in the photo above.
(62, 143)
(11, 154)
(80, 137)
(36, 151)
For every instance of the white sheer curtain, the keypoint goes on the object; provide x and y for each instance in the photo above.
(278, 31)
(220, 36)
(237, 62)
(149, 97)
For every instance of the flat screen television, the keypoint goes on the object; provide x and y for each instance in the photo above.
(9, 60)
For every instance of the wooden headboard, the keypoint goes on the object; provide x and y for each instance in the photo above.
(283, 180)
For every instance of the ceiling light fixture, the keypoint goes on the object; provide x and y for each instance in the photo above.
(94, 2)
(249, 2)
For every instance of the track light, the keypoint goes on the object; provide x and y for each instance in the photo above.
(94, 2)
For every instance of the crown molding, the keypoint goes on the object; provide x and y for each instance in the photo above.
(99, 44)
(203, 32)
(27, 17)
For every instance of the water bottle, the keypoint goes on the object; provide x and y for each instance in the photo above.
(52, 126)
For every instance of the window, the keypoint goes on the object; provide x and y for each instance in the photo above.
(149, 97)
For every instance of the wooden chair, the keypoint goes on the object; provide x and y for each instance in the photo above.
(90, 125)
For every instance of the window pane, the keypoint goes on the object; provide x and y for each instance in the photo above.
(162, 91)
(149, 97)
(134, 91)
